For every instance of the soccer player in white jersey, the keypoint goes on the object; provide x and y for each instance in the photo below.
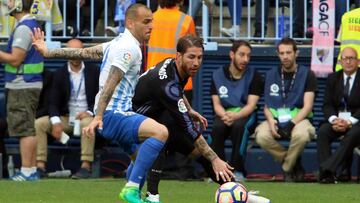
(121, 60)
(119, 74)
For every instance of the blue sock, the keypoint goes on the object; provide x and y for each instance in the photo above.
(129, 169)
(128, 172)
(148, 153)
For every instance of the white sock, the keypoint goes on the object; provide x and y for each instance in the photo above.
(34, 169)
(132, 184)
(26, 171)
(153, 198)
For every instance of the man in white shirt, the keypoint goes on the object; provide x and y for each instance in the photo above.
(71, 103)
(342, 111)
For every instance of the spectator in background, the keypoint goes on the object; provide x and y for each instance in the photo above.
(289, 97)
(23, 83)
(342, 111)
(98, 7)
(49, 11)
(235, 9)
(341, 7)
(196, 6)
(85, 12)
(72, 98)
(298, 18)
(119, 18)
(153, 4)
(235, 91)
(43, 105)
(349, 34)
(168, 26)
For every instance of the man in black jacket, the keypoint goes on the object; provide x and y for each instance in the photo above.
(71, 102)
(342, 113)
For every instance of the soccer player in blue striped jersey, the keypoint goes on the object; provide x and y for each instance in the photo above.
(121, 61)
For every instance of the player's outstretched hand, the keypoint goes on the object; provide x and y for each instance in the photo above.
(38, 41)
(222, 170)
(89, 130)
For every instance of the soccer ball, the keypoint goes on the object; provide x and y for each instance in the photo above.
(231, 192)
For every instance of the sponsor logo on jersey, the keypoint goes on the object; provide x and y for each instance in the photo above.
(162, 71)
(126, 58)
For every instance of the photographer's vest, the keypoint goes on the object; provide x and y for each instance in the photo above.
(233, 94)
(274, 97)
(350, 33)
(32, 66)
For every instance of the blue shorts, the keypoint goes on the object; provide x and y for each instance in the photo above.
(122, 127)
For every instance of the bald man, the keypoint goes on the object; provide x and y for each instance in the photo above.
(342, 113)
(72, 99)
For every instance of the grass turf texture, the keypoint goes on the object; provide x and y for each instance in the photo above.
(107, 190)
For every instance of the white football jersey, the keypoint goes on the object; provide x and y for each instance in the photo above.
(122, 52)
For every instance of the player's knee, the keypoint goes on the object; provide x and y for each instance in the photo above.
(162, 133)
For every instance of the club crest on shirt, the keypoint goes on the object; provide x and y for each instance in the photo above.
(126, 58)
(223, 92)
(274, 90)
(181, 106)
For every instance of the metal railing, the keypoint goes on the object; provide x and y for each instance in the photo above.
(217, 21)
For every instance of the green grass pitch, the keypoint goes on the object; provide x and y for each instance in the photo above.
(106, 190)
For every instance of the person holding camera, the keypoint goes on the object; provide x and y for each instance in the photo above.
(289, 96)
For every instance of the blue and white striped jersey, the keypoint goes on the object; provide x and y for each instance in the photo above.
(123, 52)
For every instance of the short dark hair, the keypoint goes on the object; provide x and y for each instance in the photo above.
(238, 43)
(189, 41)
(132, 10)
(168, 3)
(287, 41)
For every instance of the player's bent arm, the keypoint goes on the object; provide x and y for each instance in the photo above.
(115, 76)
(187, 104)
(204, 148)
(89, 53)
(221, 168)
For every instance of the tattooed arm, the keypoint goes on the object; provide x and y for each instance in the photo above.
(221, 168)
(205, 149)
(92, 53)
(114, 78)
